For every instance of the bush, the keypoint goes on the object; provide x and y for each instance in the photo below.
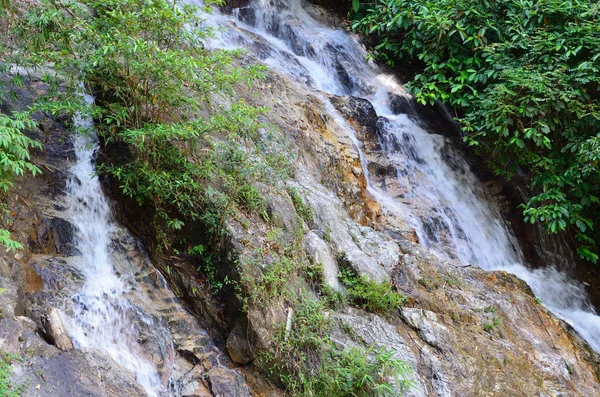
(303, 210)
(15, 160)
(187, 158)
(308, 363)
(372, 296)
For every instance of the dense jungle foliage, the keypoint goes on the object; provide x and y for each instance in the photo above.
(523, 77)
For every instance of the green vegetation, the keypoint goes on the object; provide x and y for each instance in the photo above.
(15, 146)
(491, 325)
(490, 309)
(181, 145)
(370, 295)
(179, 151)
(308, 363)
(304, 359)
(327, 234)
(523, 77)
(7, 387)
(303, 210)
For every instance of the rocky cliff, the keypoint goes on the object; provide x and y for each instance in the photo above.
(461, 330)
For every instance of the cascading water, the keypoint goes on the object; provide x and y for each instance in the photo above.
(445, 203)
(103, 316)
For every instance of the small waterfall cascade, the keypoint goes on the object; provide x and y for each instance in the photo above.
(103, 315)
(435, 190)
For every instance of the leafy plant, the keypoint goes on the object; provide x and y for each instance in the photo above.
(523, 77)
(491, 325)
(370, 295)
(490, 309)
(15, 158)
(308, 363)
(304, 211)
(362, 372)
(187, 149)
(7, 387)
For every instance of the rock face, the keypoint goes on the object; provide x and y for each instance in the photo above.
(435, 119)
(464, 331)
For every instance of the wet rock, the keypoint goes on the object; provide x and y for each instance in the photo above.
(55, 330)
(297, 44)
(54, 236)
(368, 252)
(237, 3)
(224, 383)
(402, 104)
(340, 7)
(342, 65)
(436, 119)
(193, 384)
(57, 274)
(246, 14)
(360, 112)
(75, 373)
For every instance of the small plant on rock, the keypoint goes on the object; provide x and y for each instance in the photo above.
(370, 295)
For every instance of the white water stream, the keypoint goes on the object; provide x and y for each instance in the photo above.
(104, 317)
(445, 203)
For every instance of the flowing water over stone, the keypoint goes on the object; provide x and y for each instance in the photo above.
(124, 308)
(103, 316)
(435, 191)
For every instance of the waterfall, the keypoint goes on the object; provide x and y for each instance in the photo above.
(441, 197)
(103, 315)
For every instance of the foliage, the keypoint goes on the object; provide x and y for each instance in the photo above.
(524, 78)
(360, 372)
(491, 325)
(303, 210)
(15, 147)
(192, 153)
(15, 158)
(7, 387)
(272, 273)
(308, 363)
(304, 358)
(370, 295)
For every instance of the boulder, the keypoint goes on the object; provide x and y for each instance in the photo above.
(359, 112)
(55, 330)
(238, 345)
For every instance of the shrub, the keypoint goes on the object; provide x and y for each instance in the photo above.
(15, 160)
(308, 363)
(188, 159)
(370, 295)
(303, 210)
